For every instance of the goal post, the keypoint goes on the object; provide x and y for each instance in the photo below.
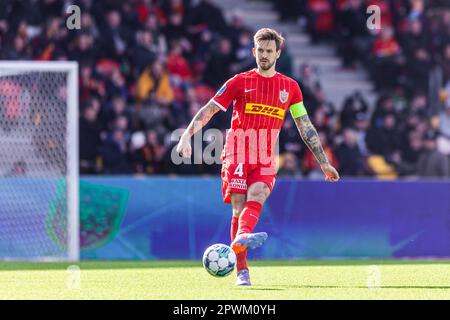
(39, 179)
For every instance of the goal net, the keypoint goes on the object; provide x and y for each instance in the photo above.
(39, 161)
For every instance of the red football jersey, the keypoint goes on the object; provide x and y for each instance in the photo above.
(259, 108)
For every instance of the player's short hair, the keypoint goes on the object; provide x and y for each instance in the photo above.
(268, 34)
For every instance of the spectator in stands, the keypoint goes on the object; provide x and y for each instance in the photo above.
(177, 65)
(114, 154)
(417, 9)
(202, 52)
(361, 125)
(145, 52)
(217, 70)
(89, 25)
(349, 155)
(115, 36)
(90, 84)
(83, 51)
(115, 85)
(154, 84)
(290, 10)
(419, 68)
(384, 106)
(354, 105)
(386, 52)
(284, 63)
(384, 140)
(406, 157)
(19, 51)
(308, 80)
(136, 152)
(431, 162)
(54, 35)
(352, 32)
(243, 53)
(321, 119)
(321, 19)
(117, 109)
(146, 153)
(159, 39)
(89, 140)
(206, 15)
(152, 153)
(289, 139)
(236, 29)
(414, 38)
(176, 28)
(289, 166)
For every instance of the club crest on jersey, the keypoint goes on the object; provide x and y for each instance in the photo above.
(221, 90)
(284, 95)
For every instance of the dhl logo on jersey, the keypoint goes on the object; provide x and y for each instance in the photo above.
(257, 108)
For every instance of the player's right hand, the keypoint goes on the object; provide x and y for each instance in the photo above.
(330, 172)
(184, 148)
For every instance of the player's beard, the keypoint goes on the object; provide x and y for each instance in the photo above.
(267, 65)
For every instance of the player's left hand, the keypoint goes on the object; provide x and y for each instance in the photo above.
(330, 172)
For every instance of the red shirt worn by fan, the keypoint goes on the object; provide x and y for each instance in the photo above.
(259, 108)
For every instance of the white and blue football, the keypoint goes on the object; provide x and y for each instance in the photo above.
(219, 260)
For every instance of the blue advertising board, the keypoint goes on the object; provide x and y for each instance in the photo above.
(177, 218)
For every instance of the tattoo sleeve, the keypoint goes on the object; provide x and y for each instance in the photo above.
(311, 138)
(202, 118)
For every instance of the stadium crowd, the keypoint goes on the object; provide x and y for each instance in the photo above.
(402, 135)
(147, 66)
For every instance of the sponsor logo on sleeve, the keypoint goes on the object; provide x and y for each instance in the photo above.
(221, 90)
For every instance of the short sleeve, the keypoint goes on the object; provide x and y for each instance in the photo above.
(226, 94)
(297, 95)
(297, 107)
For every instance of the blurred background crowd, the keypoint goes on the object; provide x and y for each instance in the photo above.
(147, 66)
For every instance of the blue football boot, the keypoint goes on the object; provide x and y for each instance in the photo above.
(248, 240)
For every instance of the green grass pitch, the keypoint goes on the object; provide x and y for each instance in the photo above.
(188, 280)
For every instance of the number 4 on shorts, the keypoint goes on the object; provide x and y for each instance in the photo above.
(239, 170)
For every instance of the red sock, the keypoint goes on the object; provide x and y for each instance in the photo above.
(249, 217)
(241, 259)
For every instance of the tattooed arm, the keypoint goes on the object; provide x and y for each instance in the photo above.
(311, 139)
(201, 118)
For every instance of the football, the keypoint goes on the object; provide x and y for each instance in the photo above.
(219, 260)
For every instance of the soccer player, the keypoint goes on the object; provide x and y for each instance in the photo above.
(260, 99)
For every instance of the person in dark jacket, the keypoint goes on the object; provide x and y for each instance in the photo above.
(89, 139)
(349, 156)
